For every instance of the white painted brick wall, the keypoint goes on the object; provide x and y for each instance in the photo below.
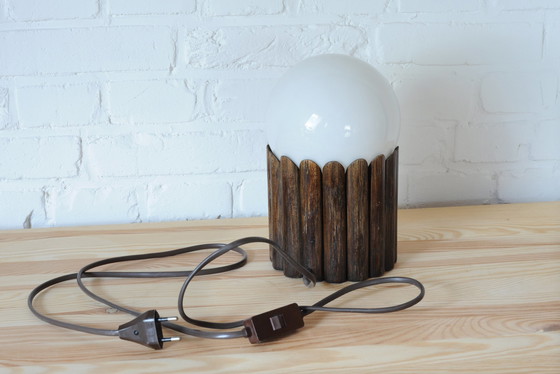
(150, 102)
(4, 107)
(91, 203)
(135, 110)
(149, 7)
(279, 46)
(493, 142)
(180, 201)
(56, 106)
(519, 92)
(84, 49)
(417, 6)
(336, 7)
(242, 7)
(33, 10)
(460, 44)
(39, 157)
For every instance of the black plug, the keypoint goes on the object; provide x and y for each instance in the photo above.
(146, 330)
(274, 323)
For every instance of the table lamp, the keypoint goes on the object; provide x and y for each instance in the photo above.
(332, 160)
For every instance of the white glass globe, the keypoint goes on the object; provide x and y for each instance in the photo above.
(332, 108)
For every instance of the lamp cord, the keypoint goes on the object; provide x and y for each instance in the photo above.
(219, 250)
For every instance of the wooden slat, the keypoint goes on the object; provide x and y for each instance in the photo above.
(391, 206)
(377, 217)
(334, 222)
(291, 214)
(312, 217)
(274, 206)
(357, 205)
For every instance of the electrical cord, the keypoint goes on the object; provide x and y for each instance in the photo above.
(309, 279)
(146, 328)
(106, 274)
(306, 310)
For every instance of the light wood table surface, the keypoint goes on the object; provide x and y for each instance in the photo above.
(492, 305)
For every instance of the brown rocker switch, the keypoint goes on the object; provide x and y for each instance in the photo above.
(274, 323)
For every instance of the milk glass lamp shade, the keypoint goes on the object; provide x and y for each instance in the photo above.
(332, 108)
(332, 160)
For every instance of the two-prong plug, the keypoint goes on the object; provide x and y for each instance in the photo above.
(146, 330)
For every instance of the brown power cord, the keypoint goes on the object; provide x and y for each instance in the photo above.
(146, 328)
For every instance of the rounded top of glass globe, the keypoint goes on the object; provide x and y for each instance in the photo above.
(332, 108)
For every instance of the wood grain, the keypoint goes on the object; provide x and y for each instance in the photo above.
(391, 208)
(291, 218)
(334, 223)
(274, 205)
(357, 205)
(312, 217)
(492, 278)
(377, 217)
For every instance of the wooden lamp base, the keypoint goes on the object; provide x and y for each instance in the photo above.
(340, 224)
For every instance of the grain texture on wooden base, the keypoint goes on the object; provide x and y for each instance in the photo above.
(357, 223)
(274, 204)
(312, 217)
(334, 223)
(291, 219)
(377, 217)
(341, 224)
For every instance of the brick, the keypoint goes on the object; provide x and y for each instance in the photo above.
(150, 102)
(535, 184)
(55, 51)
(450, 188)
(82, 205)
(280, 46)
(178, 154)
(526, 5)
(50, 157)
(57, 105)
(518, 92)
(21, 209)
(502, 142)
(460, 44)
(239, 99)
(242, 7)
(342, 7)
(435, 96)
(4, 107)
(403, 200)
(418, 6)
(202, 152)
(111, 156)
(172, 202)
(148, 7)
(422, 144)
(552, 42)
(250, 197)
(42, 10)
(546, 145)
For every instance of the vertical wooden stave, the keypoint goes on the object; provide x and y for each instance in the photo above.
(274, 206)
(334, 223)
(357, 198)
(391, 205)
(312, 217)
(292, 243)
(377, 217)
(289, 232)
(395, 202)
